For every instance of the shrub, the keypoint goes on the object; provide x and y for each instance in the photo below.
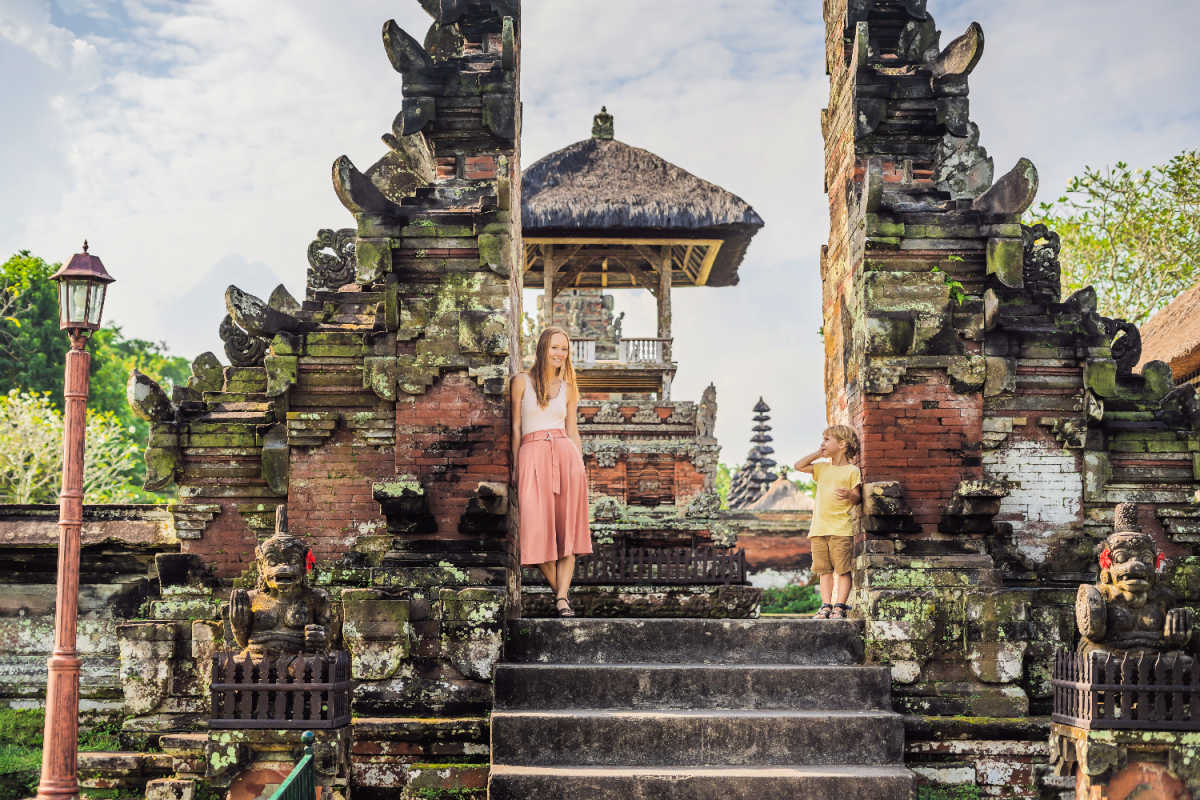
(791, 600)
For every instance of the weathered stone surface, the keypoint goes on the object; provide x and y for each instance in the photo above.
(147, 399)
(377, 633)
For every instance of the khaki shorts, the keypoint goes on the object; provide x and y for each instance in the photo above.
(832, 554)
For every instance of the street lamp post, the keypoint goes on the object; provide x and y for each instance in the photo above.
(81, 288)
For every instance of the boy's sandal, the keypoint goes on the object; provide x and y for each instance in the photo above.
(840, 611)
(824, 611)
(564, 607)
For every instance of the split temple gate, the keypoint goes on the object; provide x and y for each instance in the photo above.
(366, 423)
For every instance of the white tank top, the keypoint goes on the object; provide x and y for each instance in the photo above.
(552, 417)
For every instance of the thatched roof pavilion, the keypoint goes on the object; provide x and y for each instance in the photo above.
(602, 214)
(612, 200)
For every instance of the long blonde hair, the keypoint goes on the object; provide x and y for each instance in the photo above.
(540, 372)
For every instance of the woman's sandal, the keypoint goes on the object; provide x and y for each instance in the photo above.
(840, 611)
(564, 607)
(824, 611)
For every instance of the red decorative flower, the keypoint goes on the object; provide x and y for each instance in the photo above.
(310, 561)
(1158, 562)
(1105, 559)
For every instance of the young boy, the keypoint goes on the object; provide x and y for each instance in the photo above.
(839, 489)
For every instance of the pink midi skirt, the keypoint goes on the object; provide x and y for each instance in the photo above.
(552, 492)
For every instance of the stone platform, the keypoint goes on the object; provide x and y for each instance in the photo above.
(693, 708)
(726, 602)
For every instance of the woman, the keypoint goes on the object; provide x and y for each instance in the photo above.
(548, 459)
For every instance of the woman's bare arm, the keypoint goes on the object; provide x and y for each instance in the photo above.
(573, 418)
(517, 390)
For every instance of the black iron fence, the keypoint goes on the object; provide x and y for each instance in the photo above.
(294, 691)
(1145, 692)
(622, 563)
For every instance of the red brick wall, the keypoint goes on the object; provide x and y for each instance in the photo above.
(329, 498)
(926, 436)
(228, 542)
(452, 438)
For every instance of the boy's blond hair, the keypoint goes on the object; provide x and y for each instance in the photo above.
(844, 433)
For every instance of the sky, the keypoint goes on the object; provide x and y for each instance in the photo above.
(190, 141)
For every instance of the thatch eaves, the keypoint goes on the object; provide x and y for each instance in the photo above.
(1173, 335)
(604, 187)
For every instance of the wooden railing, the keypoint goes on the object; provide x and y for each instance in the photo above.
(301, 782)
(645, 351)
(294, 691)
(1146, 692)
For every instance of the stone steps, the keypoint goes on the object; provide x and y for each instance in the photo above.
(685, 641)
(757, 687)
(701, 783)
(587, 737)
(676, 709)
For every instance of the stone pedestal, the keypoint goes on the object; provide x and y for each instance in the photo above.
(1128, 764)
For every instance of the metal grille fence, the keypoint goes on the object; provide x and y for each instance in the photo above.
(622, 563)
(1146, 692)
(293, 691)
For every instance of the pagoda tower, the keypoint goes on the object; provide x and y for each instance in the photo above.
(751, 481)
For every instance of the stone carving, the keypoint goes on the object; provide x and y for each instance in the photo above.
(960, 56)
(684, 414)
(706, 416)
(1126, 610)
(284, 614)
(609, 413)
(1125, 341)
(607, 453)
(1012, 194)
(602, 124)
(647, 414)
(242, 349)
(1180, 408)
(255, 317)
(961, 166)
(331, 258)
(207, 373)
(147, 399)
(1041, 272)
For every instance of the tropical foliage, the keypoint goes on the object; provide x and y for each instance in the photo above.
(1133, 234)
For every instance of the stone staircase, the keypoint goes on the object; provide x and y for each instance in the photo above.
(684, 709)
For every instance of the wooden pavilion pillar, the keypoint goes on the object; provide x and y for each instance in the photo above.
(664, 301)
(549, 269)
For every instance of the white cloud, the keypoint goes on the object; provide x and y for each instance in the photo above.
(191, 142)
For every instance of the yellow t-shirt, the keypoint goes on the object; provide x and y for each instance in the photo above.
(832, 516)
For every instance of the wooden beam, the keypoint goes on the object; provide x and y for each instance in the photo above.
(687, 260)
(571, 275)
(652, 241)
(709, 258)
(637, 279)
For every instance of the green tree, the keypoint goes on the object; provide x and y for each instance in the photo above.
(1133, 234)
(31, 431)
(722, 482)
(33, 349)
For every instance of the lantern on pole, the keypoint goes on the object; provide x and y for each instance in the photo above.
(82, 284)
(81, 288)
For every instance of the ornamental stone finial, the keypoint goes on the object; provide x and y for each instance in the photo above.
(602, 124)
